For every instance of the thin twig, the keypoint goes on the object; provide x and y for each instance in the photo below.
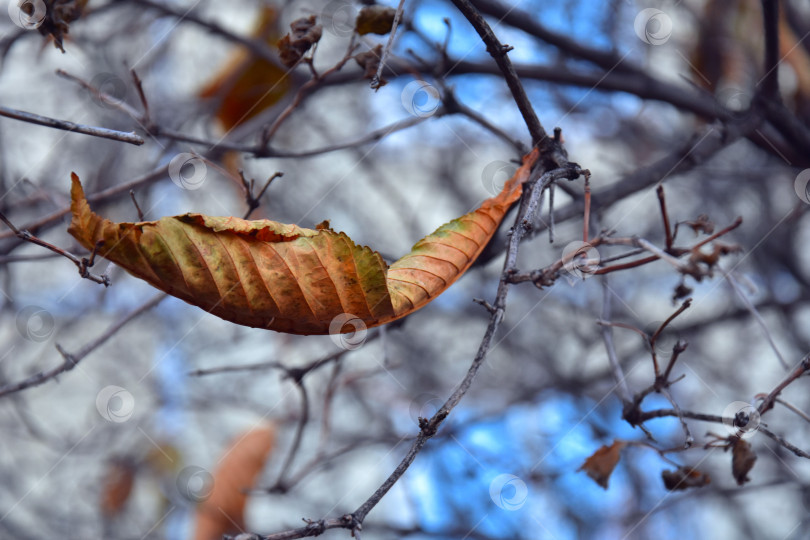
(801, 369)
(499, 54)
(664, 216)
(376, 83)
(757, 317)
(607, 337)
(82, 264)
(137, 206)
(104, 133)
(303, 420)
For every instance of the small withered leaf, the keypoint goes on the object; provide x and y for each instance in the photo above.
(375, 19)
(304, 33)
(742, 459)
(681, 291)
(599, 466)
(701, 224)
(370, 62)
(58, 14)
(684, 478)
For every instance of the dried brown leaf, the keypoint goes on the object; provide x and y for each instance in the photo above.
(370, 62)
(701, 224)
(684, 478)
(304, 33)
(601, 463)
(375, 19)
(742, 459)
(266, 274)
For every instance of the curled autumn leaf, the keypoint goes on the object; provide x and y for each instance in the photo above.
(684, 478)
(266, 274)
(239, 468)
(599, 466)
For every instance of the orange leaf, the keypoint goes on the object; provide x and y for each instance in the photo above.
(239, 468)
(286, 278)
(248, 85)
(601, 464)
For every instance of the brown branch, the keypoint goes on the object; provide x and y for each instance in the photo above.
(254, 201)
(376, 83)
(663, 205)
(104, 133)
(801, 369)
(82, 264)
(499, 54)
(525, 216)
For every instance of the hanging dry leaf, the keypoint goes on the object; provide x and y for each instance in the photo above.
(50, 17)
(701, 224)
(601, 464)
(117, 486)
(304, 33)
(370, 62)
(684, 478)
(248, 85)
(266, 274)
(742, 459)
(375, 19)
(239, 468)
